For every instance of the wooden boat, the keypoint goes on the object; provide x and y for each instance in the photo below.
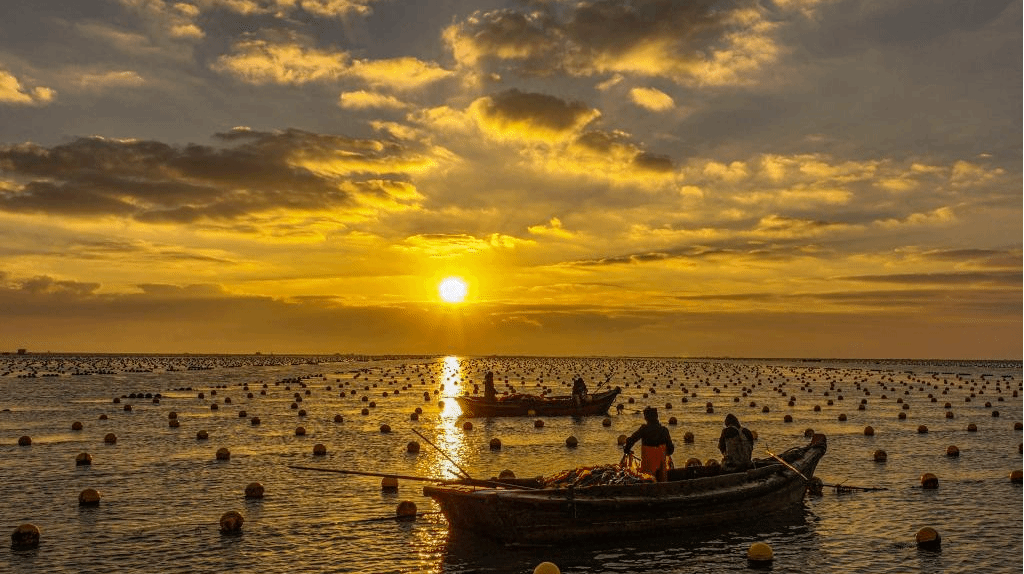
(527, 513)
(534, 405)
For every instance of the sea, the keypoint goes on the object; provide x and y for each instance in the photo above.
(164, 490)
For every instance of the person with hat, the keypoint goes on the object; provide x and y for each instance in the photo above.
(655, 446)
(490, 393)
(736, 444)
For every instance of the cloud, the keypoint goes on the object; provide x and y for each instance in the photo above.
(440, 246)
(363, 100)
(524, 116)
(651, 99)
(111, 80)
(13, 93)
(398, 73)
(262, 62)
(692, 43)
(252, 175)
(552, 228)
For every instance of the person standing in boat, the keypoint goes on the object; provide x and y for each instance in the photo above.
(736, 444)
(579, 391)
(490, 393)
(655, 446)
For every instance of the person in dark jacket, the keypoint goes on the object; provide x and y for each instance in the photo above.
(490, 393)
(579, 391)
(736, 444)
(656, 445)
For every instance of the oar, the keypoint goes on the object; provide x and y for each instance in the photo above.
(444, 454)
(466, 481)
(836, 486)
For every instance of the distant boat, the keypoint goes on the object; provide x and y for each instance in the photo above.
(534, 405)
(527, 512)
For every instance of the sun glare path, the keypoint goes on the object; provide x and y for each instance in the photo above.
(452, 290)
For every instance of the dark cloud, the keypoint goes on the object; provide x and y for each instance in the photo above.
(997, 278)
(253, 172)
(541, 110)
(592, 37)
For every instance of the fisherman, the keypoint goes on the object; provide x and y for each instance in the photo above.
(655, 446)
(579, 391)
(736, 444)
(490, 393)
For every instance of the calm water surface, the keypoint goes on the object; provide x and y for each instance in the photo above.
(164, 490)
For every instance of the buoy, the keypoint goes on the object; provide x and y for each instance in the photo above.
(468, 426)
(231, 522)
(76, 425)
(881, 456)
(815, 487)
(606, 422)
(174, 423)
(869, 431)
(338, 418)
(688, 437)
(25, 537)
(406, 510)
(495, 444)
(103, 417)
(172, 415)
(693, 462)
(972, 427)
(928, 539)
(110, 438)
(929, 481)
(808, 433)
(572, 442)
(389, 484)
(546, 568)
(921, 429)
(385, 428)
(952, 451)
(902, 416)
(506, 474)
(254, 421)
(83, 459)
(300, 431)
(254, 490)
(621, 440)
(202, 435)
(413, 447)
(1018, 426)
(319, 450)
(25, 441)
(1017, 477)
(760, 554)
(787, 418)
(223, 454)
(842, 416)
(538, 424)
(89, 497)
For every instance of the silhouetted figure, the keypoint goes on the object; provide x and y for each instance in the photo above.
(579, 391)
(655, 446)
(736, 444)
(490, 393)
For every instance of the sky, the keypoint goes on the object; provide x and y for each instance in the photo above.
(772, 178)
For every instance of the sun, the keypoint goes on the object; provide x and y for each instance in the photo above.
(452, 289)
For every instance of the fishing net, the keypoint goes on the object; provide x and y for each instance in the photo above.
(604, 474)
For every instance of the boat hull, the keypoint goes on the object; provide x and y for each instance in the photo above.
(549, 516)
(598, 404)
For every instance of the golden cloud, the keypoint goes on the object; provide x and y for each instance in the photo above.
(12, 92)
(651, 99)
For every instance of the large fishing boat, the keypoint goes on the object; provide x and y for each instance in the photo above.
(520, 405)
(531, 511)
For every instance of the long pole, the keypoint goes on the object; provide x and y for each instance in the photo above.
(444, 454)
(838, 487)
(469, 481)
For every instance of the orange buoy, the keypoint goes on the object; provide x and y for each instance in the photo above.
(538, 424)
(1017, 477)
(929, 481)
(110, 438)
(869, 431)
(413, 447)
(606, 422)
(972, 427)
(25, 537)
(385, 428)
(406, 510)
(319, 450)
(467, 426)
(25, 440)
(89, 497)
(546, 568)
(928, 539)
(389, 484)
(921, 429)
(688, 437)
(952, 451)
(881, 456)
(760, 555)
(621, 440)
(842, 416)
(83, 459)
(495, 443)
(506, 474)
(231, 522)
(672, 421)
(254, 490)
(808, 432)
(300, 431)
(76, 425)
(223, 454)
(572, 442)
